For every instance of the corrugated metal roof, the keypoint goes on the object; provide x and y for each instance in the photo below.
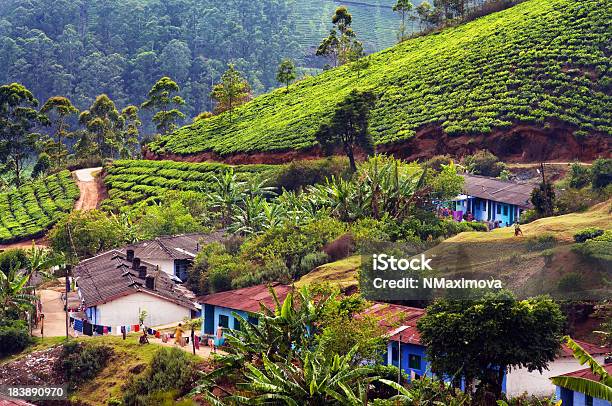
(247, 299)
(183, 246)
(592, 349)
(110, 275)
(498, 190)
(399, 321)
(588, 374)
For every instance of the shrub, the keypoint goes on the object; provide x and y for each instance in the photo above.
(81, 362)
(14, 337)
(570, 282)
(340, 248)
(437, 161)
(579, 176)
(299, 174)
(587, 234)
(601, 172)
(10, 259)
(170, 370)
(484, 163)
(309, 262)
(274, 269)
(574, 200)
(541, 242)
(528, 216)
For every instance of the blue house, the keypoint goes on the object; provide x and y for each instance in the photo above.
(217, 308)
(573, 398)
(491, 200)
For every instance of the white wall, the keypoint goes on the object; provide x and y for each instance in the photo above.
(520, 381)
(125, 310)
(166, 265)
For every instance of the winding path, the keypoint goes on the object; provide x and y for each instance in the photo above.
(90, 194)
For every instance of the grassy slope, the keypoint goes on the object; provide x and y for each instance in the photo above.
(497, 252)
(540, 60)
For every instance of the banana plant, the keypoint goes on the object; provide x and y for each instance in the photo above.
(15, 293)
(601, 389)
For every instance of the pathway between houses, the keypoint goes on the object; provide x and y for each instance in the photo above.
(53, 309)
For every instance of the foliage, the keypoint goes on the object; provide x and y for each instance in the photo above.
(18, 119)
(341, 45)
(402, 7)
(600, 390)
(14, 337)
(164, 100)
(171, 369)
(348, 128)
(484, 163)
(58, 110)
(85, 234)
(598, 248)
(579, 175)
(587, 234)
(231, 92)
(12, 258)
(601, 172)
(299, 174)
(103, 123)
(571, 282)
(81, 362)
(28, 211)
(543, 199)
(514, 333)
(541, 242)
(431, 81)
(286, 72)
(166, 218)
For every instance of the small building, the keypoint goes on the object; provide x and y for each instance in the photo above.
(491, 200)
(115, 288)
(217, 308)
(174, 253)
(574, 398)
(535, 383)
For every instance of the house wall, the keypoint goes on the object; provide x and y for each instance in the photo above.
(125, 310)
(406, 351)
(215, 312)
(571, 398)
(521, 380)
(489, 210)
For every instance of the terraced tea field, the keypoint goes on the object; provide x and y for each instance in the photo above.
(541, 63)
(33, 208)
(133, 181)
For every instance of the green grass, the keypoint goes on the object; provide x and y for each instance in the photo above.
(33, 208)
(538, 62)
(342, 273)
(135, 181)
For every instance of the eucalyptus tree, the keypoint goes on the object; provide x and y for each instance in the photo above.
(403, 7)
(164, 100)
(232, 91)
(103, 124)
(286, 73)
(58, 110)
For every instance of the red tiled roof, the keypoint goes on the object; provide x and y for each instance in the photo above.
(399, 321)
(588, 374)
(110, 275)
(6, 401)
(498, 190)
(592, 349)
(247, 299)
(183, 246)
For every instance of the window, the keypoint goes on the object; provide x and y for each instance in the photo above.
(505, 209)
(223, 321)
(588, 400)
(236, 324)
(414, 361)
(498, 208)
(394, 352)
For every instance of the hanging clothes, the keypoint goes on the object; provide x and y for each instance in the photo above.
(136, 327)
(150, 331)
(157, 334)
(87, 329)
(123, 331)
(99, 329)
(105, 330)
(196, 342)
(78, 325)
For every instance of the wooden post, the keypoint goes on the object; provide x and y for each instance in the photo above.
(193, 339)
(67, 288)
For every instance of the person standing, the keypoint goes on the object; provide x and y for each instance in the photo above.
(178, 335)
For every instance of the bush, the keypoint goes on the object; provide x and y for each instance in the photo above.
(541, 242)
(601, 172)
(484, 163)
(340, 248)
(14, 337)
(10, 259)
(299, 174)
(82, 361)
(579, 176)
(574, 200)
(528, 216)
(309, 262)
(587, 234)
(170, 370)
(571, 282)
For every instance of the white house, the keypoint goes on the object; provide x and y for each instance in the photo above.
(519, 381)
(174, 253)
(115, 290)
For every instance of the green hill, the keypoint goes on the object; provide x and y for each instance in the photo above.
(33, 208)
(543, 63)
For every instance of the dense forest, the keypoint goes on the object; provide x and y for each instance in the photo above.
(80, 49)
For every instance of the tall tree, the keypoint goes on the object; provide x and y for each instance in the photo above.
(103, 122)
(339, 45)
(58, 109)
(164, 100)
(515, 334)
(18, 118)
(286, 73)
(232, 91)
(348, 127)
(403, 7)
(130, 131)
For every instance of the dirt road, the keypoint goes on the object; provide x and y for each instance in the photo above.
(53, 309)
(90, 193)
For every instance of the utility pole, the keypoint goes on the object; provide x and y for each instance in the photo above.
(67, 288)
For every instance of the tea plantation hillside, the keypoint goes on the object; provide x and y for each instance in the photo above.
(33, 208)
(133, 181)
(540, 63)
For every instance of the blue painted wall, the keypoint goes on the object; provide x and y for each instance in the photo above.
(489, 210)
(571, 398)
(213, 314)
